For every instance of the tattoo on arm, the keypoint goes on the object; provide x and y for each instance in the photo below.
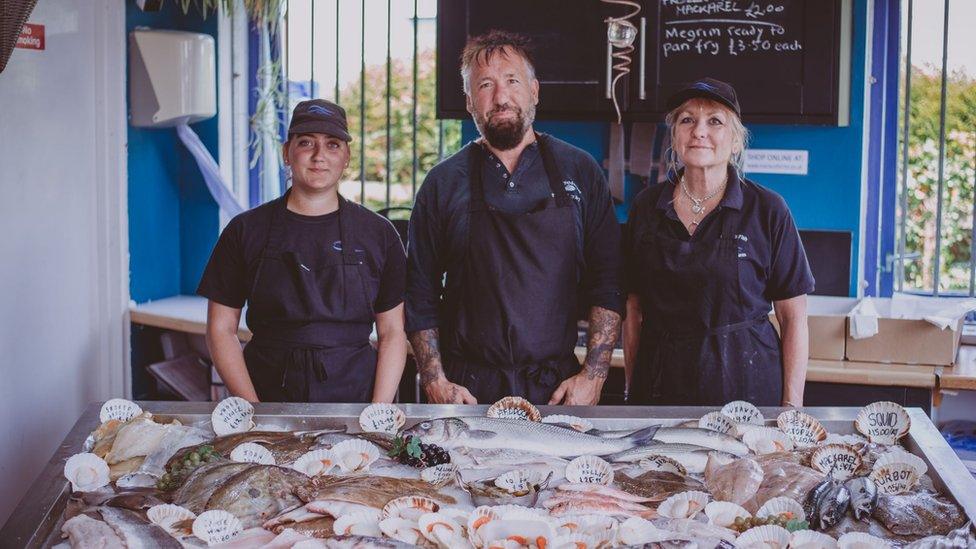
(604, 332)
(426, 351)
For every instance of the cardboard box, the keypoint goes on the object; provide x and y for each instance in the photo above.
(827, 323)
(905, 337)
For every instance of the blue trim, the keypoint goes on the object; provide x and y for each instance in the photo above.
(889, 181)
(253, 62)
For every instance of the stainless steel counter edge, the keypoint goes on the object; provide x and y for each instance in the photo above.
(33, 520)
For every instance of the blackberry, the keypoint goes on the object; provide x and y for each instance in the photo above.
(410, 451)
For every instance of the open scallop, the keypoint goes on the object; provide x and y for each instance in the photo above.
(601, 526)
(838, 460)
(86, 472)
(478, 518)
(579, 424)
(638, 531)
(441, 529)
(232, 415)
(250, 452)
(895, 478)
(804, 429)
(767, 440)
(119, 409)
(743, 412)
(860, 540)
(357, 524)
(901, 456)
(216, 526)
(809, 539)
(663, 463)
(407, 531)
(589, 470)
(883, 422)
(724, 513)
(782, 505)
(576, 541)
(513, 407)
(764, 537)
(684, 505)
(316, 462)
(355, 455)
(717, 421)
(382, 418)
(167, 515)
(410, 507)
(527, 530)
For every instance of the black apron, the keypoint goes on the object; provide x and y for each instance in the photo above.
(716, 353)
(311, 322)
(510, 323)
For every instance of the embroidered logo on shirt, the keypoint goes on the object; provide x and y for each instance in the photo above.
(572, 189)
(741, 251)
(337, 246)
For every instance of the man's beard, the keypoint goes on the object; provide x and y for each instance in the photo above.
(505, 134)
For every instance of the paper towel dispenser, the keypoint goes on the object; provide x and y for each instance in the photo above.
(172, 77)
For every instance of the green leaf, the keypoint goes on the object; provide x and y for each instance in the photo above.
(413, 447)
(797, 524)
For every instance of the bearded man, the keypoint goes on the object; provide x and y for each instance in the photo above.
(511, 241)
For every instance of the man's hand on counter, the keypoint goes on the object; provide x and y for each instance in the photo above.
(442, 391)
(583, 389)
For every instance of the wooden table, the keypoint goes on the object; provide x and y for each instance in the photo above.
(962, 376)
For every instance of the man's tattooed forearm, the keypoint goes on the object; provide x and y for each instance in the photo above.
(604, 332)
(427, 354)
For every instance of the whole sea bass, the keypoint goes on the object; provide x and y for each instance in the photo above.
(553, 440)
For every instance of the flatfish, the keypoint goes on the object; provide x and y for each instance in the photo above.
(657, 485)
(918, 514)
(372, 491)
(200, 485)
(258, 493)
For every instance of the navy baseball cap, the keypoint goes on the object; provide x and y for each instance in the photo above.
(708, 88)
(319, 116)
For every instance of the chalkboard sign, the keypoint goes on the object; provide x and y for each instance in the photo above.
(783, 56)
(788, 59)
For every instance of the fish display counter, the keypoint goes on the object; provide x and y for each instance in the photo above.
(457, 476)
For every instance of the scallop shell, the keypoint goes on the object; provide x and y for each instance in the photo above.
(316, 462)
(355, 455)
(717, 421)
(478, 518)
(638, 531)
(600, 526)
(524, 530)
(217, 526)
(167, 514)
(382, 418)
(765, 537)
(743, 412)
(514, 482)
(440, 528)
(513, 407)
(439, 475)
(901, 456)
(782, 505)
(683, 505)
(357, 524)
(895, 478)
(804, 429)
(519, 511)
(575, 541)
(852, 439)
(883, 422)
(86, 472)
(838, 460)
(724, 513)
(401, 529)
(410, 507)
(663, 463)
(580, 424)
(232, 415)
(589, 470)
(860, 540)
(250, 452)
(767, 440)
(808, 539)
(120, 409)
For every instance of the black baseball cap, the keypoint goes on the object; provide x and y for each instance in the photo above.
(708, 88)
(319, 116)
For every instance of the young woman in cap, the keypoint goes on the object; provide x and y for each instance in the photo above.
(315, 271)
(706, 253)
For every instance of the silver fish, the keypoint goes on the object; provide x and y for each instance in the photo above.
(827, 503)
(702, 437)
(864, 496)
(136, 531)
(486, 432)
(691, 456)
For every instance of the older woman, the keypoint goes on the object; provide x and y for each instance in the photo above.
(707, 252)
(316, 271)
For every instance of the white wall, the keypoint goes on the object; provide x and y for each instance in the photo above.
(62, 270)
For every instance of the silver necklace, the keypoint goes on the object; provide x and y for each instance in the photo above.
(698, 204)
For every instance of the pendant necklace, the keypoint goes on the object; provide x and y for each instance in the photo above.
(698, 204)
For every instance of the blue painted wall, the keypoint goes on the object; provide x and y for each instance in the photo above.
(173, 221)
(829, 197)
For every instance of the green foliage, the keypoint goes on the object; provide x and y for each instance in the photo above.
(923, 178)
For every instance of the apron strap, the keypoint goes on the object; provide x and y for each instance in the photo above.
(556, 186)
(476, 162)
(553, 175)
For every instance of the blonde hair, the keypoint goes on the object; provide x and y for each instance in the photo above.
(480, 49)
(740, 135)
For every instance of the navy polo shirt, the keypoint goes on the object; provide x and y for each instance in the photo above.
(439, 226)
(772, 263)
